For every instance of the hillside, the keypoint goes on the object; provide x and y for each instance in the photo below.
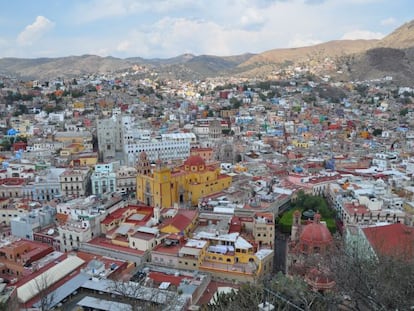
(392, 56)
(315, 52)
(353, 59)
(401, 38)
(71, 66)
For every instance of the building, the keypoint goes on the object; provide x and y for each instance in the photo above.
(207, 154)
(82, 219)
(16, 255)
(307, 243)
(381, 240)
(25, 223)
(75, 182)
(71, 137)
(231, 257)
(162, 186)
(12, 187)
(103, 178)
(46, 185)
(126, 180)
(109, 132)
(167, 147)
(264, 229)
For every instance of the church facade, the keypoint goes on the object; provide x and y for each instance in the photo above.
(164, 186)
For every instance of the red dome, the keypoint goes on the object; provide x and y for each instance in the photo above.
(319, 280)
(195, 160)
(316, 234)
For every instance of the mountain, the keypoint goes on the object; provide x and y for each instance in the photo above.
(184, 66)
(401, 38)
(315, 52)
(392, 56)
(353, 59)
(71, 66)
(350, 59)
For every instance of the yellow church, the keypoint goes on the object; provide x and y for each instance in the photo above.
(163, 186)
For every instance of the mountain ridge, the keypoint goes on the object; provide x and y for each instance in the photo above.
(362, 59)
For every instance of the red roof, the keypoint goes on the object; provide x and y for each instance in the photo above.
(160, 277)
(396, 240)
(235, 225)
(316, 234)
(357, 209)
(13, 181)
(194, 160)
(181, 222)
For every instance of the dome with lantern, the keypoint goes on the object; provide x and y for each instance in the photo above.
(194, 163)
(315, 237)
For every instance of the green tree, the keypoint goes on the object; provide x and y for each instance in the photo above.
(403, 112)
(6, 144)
(377, 132)
(236, 103)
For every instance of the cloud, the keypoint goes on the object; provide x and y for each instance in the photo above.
(35, 31)
(90, 11)
(362, 34)
(300, 41)
(313, 2)
(390, 21)
(252, 20)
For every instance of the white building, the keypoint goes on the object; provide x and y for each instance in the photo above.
(170, 147)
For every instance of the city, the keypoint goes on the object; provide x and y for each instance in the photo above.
(135, 189)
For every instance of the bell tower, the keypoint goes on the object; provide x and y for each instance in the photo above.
(143, 165)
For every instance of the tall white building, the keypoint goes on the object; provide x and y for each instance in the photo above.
(168, 147)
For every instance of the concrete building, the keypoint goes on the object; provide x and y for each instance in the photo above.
(25, 224)
(126, 180)
(168, 147)
(75, 182)
(45, 186)
(110, 137)
(12, 187)
(103, 178)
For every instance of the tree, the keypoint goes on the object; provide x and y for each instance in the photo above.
(313, 202)
(41, 289)
(6, 144)
(403, 112)
(247, 297)
(373, 282)
(236, 103)
(377, 132)
(141, 297)
(285, 293)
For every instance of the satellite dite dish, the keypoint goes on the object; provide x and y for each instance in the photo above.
(50, 231)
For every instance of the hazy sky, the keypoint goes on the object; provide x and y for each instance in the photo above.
(167, 28)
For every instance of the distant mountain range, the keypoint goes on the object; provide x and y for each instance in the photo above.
(352, 59)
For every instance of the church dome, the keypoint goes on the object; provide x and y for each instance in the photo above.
(315, 234)
(195, 160)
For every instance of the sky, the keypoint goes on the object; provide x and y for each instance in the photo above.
(168, 28)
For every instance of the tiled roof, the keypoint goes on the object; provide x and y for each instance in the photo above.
(392, 240)
(181, 222)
